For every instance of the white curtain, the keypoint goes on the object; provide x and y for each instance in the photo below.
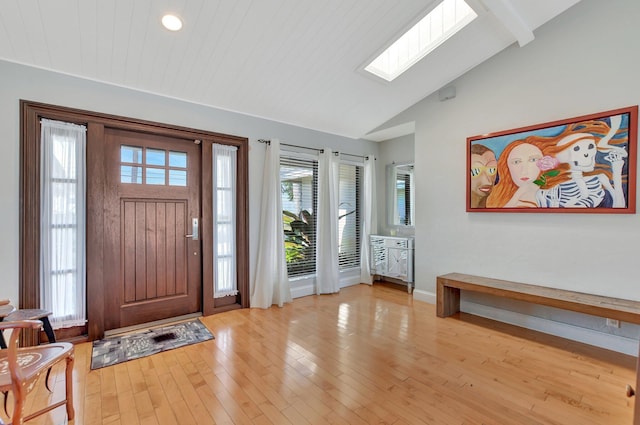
(224, 221)
(62, 222)
(271, 285)
(370, 219)
(327, 267)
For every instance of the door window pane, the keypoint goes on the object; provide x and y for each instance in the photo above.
(177, 178)
(155, 176)
(130, 174)
(155, 166)
(178, 159)
(131, 154)
(155, 157)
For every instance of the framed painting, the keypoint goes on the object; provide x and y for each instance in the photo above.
(585, 164)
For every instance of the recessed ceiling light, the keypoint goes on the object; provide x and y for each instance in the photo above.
(171, 22)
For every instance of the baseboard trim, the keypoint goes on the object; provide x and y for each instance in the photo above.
(607, 341)
(303, 291)
(611, 342)
(310, 288)
(424, 296)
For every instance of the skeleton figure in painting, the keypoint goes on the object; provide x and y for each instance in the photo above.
(582, 184)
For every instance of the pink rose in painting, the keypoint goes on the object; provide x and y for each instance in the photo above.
(547, 163)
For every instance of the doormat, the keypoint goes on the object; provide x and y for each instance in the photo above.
(122, 348)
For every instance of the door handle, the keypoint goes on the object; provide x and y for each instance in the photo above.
(194, 230)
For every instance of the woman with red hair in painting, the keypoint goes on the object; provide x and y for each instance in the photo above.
(565, 174)
(517, 171)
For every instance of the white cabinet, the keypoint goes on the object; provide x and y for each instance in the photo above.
(392, 256)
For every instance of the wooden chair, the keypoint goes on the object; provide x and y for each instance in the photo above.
(21, 367)
(9, 313)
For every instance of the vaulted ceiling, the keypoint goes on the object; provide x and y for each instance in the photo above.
(292, 61)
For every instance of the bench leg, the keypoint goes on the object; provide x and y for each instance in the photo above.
(448, 299)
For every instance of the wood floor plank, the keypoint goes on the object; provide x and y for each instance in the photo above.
(368, 355)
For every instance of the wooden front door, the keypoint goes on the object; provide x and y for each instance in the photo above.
(152, 251)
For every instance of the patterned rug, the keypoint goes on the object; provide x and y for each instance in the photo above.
(122, 348)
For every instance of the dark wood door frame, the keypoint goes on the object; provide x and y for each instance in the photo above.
(213, 305)
(30, 115)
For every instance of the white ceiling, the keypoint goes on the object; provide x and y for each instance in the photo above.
(291, 61)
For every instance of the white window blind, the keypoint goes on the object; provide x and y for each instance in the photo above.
(404, 193)
(224, 221)
(299, 186)
(349, 216)
(62, 224)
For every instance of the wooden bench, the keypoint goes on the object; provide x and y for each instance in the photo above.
(449, 286)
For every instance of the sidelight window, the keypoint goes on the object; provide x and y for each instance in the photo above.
(62, 245)
(224, 220)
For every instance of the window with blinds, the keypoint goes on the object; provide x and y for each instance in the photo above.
(403, 195)
(299, 187)
(349, 216)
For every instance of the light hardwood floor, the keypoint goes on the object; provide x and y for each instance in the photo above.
(369, 355)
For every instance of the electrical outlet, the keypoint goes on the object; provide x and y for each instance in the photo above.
(613, 323)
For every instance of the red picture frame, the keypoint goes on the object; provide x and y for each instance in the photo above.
(585, 164)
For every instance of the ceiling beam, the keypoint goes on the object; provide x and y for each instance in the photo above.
(504, 11)
(381, 134)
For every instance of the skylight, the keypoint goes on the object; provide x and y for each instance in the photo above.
(445, 20)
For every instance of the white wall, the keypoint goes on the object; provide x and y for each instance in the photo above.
(584, 61)
(21, 82)
(399, 150)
